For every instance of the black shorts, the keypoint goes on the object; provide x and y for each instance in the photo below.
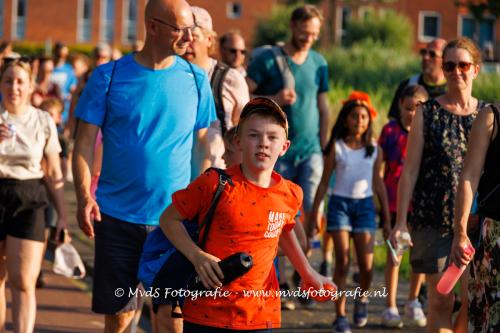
(118, 248)
(430, 251)
(22, 209)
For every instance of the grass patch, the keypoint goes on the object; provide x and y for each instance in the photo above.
(379, 261)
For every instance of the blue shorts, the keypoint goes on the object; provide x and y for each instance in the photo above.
(353, 215)
(306, 173)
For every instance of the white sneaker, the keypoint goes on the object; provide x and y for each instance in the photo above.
(391, 318)
(414, 313)
(287, 304)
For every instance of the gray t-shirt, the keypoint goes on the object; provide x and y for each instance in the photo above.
(36, 137)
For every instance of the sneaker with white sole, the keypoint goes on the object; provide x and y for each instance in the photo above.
(414, 314)
(391, 318)
(341, 325)
(360, 315)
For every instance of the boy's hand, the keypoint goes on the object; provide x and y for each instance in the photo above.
(209, 272)
(316, 280)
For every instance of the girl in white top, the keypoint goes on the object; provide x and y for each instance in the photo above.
(27, 135)
(356, 158)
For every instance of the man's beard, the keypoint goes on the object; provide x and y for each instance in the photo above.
(297, 45)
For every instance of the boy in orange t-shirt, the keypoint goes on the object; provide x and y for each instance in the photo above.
(252, 216)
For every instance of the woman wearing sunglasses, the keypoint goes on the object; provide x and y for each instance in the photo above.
(27, 135)
(437, 145)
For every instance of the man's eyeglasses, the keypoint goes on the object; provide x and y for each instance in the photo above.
(177, 30)
(431, 53)
(463, 66)
(234, 51)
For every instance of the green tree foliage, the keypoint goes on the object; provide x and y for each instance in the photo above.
(478, 9)
(387, 29)
(275, 27)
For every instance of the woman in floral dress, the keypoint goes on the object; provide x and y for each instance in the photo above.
(484, 285)
(437, 145)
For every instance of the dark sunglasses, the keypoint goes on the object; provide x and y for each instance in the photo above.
(431, 53)
(450, 66)
(25, 59)
(235, 51)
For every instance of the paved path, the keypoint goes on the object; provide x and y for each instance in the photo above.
(64, 304)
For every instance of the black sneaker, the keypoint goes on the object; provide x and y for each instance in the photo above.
(296, 279)
(355, 277)
(422, 295)
(286, 302)
(325, 268)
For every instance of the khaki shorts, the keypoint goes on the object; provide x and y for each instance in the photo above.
(430, 251)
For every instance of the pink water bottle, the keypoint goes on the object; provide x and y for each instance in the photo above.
(452, 274)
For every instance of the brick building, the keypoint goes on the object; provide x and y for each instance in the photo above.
(118, 22)
(121, 22)
(430, 19)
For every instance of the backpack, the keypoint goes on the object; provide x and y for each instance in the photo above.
(281, 62)
(216, 83)
(158, 253)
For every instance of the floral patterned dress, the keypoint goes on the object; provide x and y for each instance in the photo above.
(445, 145)
(484, 285)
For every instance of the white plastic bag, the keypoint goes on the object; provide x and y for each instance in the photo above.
(67, 262)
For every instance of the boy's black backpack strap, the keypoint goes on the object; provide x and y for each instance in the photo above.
(216, 82)
(224, 179)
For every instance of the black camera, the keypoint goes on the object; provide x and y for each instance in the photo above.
(232, 267)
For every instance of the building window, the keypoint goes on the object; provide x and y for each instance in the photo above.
(18, 19)
(343, 18)
(84, 20)
(429, 26)
(107, 20)
(233, 10)
(129, 21)
(365, 12)
(482, 32)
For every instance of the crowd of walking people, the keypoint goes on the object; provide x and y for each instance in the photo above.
(141, 136)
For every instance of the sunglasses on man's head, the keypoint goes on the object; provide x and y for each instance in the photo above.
(450, 66)
(235, 51)
(25, 59)
(430, 53)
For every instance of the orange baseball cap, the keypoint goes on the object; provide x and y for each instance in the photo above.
(361, 98)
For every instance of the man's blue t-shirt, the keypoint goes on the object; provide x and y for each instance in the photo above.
(311, 79)
(64, 76)
(148, 128)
